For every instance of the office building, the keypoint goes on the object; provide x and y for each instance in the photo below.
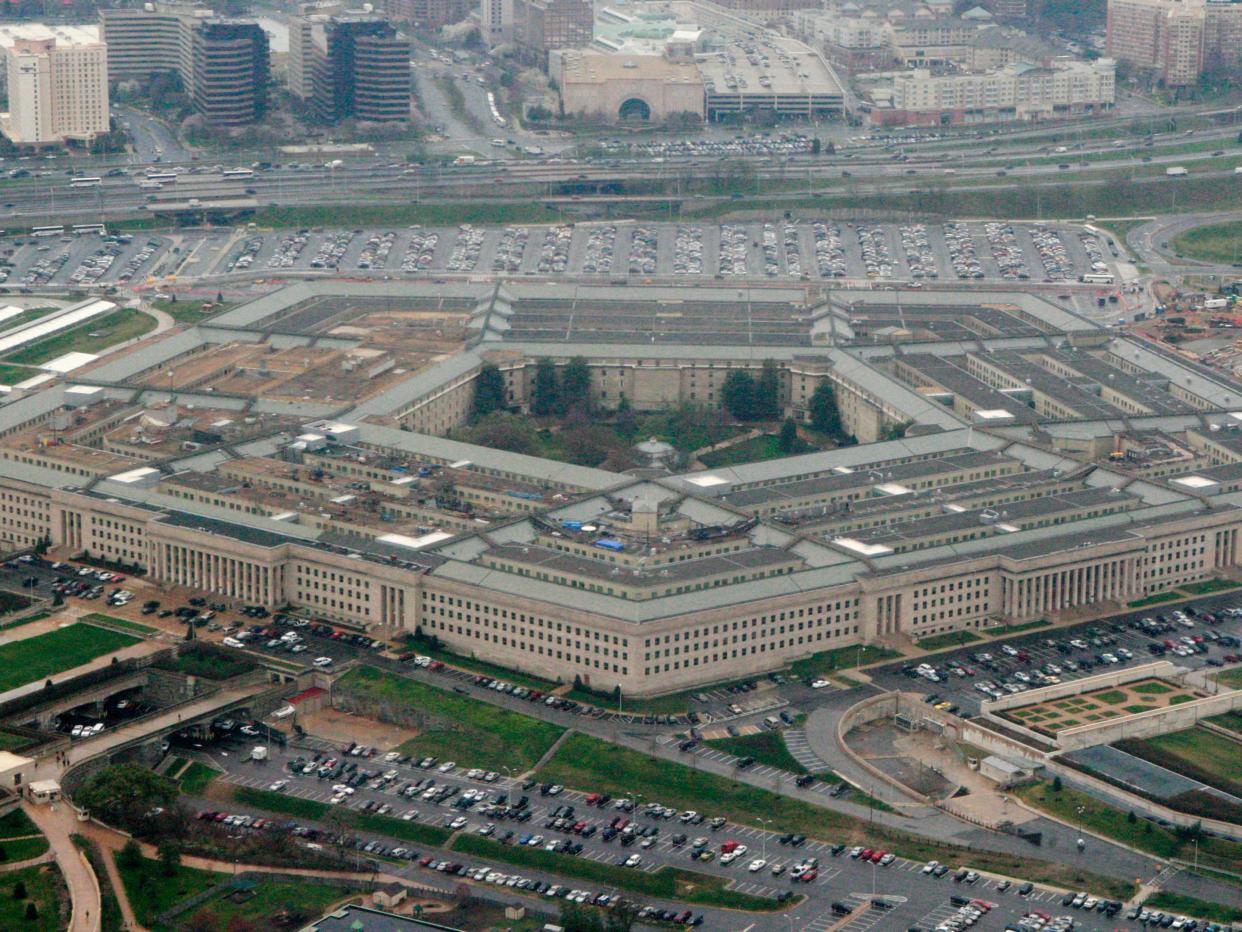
(543, 25)
(496, 21)
(1176, 40)
(224, 64)
(350, 67)
(428, 14)
(57, 83)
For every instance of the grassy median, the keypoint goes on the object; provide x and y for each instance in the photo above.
(667, 883)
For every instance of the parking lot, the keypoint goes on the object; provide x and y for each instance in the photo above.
(778, 250)
(1042, 657)
(912, 893)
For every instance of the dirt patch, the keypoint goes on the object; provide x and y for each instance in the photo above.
(342, 728)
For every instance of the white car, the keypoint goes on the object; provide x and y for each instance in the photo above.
(277, 786)
(757, 865)
(459, 822)
(633, 860)
(324, 662)
(447, 766)
(819, 684)
(232, 642)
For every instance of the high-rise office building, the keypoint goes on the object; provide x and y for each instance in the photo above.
(224, 64)
(1176, 39)
(543, 25)
(350, 67)
(57, 83)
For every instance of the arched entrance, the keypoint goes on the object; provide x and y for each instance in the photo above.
(635, 109)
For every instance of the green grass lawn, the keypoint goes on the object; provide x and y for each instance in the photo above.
(208, 662)
(11, 375)
(1156, 598)
(1214, 242)
(841, 658)
(766, 747)
(763, 447)
(688, 886)
(417, 832)
(100, 618)
(1214, 757)
(1231, 678)
(195, 779)
(11, 742)
(470, 732)
(150, 892)
(190, 312)
(23, 849)
(1206, 586)
(1006, 630)
(271, 904)
(1121, 228)
(1189, 906)
(44, 655)
(45, 888)
(280, 802)
(948, 639)
(590, 764)
(671, 704)
(90, 337)
(17, 824)
(1112, 822)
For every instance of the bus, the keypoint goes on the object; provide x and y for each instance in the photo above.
(1097, 278)
(237, 174)
(88, 229)
(85, 181)
(160, 176)
(46, 231)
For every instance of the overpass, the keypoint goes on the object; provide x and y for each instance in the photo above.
(41, 717)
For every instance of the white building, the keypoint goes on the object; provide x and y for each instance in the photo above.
(1021, 91)
(496, 21)
(57, 83)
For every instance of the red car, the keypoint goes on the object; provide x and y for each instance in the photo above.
(809, 876)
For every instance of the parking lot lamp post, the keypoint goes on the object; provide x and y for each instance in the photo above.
(764, 822)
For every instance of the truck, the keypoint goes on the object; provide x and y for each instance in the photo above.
(464, 160)
(258, 753)
(1176, 171)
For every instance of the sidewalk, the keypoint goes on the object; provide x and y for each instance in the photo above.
(58, 822)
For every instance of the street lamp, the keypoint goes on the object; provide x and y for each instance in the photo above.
(765, 831)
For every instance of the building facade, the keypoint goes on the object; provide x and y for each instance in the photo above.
(224, 64)
(1177, 40)
(543, 25)
(57, 84)
(350, 67)
(496, 21)
(1019, 91)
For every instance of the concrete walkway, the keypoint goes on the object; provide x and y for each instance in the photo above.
(58, 821)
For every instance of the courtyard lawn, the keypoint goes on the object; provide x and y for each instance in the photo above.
(454, 727)
(766, 747)
(151, 891)
(45, 887)
(1231, 678)
(45, 655)
(590, 764)
(23, 849)
(89, 337)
